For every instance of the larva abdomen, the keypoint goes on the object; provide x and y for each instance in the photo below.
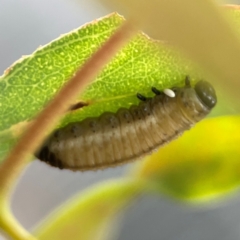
(116, 138)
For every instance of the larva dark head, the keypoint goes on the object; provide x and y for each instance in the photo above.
(206, 93)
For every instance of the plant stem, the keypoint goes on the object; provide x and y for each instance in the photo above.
(35, 134)
(10, 226)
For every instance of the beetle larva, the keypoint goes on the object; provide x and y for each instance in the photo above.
(116, 138)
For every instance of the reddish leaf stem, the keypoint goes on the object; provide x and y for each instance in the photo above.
(34, 136)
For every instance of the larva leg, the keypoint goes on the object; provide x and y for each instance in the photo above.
(156, 91)
(187, 82)
(141, 97)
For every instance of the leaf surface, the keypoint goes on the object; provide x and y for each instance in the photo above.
(27, 86)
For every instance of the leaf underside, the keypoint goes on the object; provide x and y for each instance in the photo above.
(27, 86)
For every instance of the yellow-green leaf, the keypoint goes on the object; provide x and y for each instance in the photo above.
(27, 85)
(31, 82)
(202, 164)
(90, 215)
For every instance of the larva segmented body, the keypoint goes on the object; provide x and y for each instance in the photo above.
(116, 138)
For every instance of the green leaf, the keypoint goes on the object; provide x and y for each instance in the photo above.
(27, 86)
(90, 215)
(7, 140)
(31, 82)
(201, 165)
